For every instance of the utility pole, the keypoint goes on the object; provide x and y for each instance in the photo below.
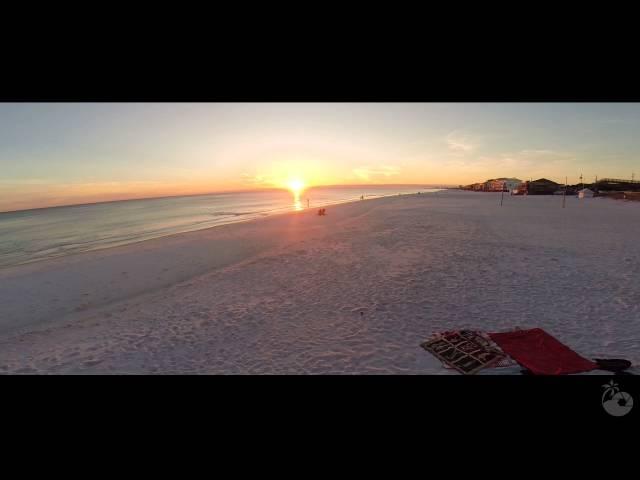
(564, 197)
(502, 196)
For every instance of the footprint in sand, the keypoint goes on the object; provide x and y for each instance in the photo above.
(91, 363)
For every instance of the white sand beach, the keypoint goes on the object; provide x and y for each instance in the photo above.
(354, 292)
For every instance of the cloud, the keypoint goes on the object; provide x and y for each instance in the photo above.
(522, 159)
(534, 159)
(461, 143)
(25, 181)
(523, 163)
(369, 173)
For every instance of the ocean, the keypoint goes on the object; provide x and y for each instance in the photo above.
(32, 235)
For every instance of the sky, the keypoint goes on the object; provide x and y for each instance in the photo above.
(67, 153)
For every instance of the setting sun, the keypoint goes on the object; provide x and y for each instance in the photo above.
(296, 186)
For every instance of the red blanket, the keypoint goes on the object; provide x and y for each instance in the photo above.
(538, 351)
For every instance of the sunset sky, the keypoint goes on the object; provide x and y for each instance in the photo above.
(54, 154)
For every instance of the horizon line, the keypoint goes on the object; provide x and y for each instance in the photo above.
(426, 185)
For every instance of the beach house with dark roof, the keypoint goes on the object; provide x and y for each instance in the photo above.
(542, 186)
(617, 185)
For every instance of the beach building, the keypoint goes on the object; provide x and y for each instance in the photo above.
(493, 185)
(542, 186)
(617, 185)
(511, 183)
(585, 193)
(500, 184)
(520, 189)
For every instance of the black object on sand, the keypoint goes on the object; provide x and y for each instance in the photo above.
(612, 364)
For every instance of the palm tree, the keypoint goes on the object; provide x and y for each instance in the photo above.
(611, 388)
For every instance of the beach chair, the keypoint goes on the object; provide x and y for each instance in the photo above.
(540, 353)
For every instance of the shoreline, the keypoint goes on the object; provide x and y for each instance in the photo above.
(31, 295)
(193, 228)
(221, 192)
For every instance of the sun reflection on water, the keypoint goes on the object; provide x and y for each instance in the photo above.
(296, 187)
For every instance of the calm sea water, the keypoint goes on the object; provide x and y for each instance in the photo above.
(33, 235)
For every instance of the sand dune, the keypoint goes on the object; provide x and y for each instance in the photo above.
(354, 292)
